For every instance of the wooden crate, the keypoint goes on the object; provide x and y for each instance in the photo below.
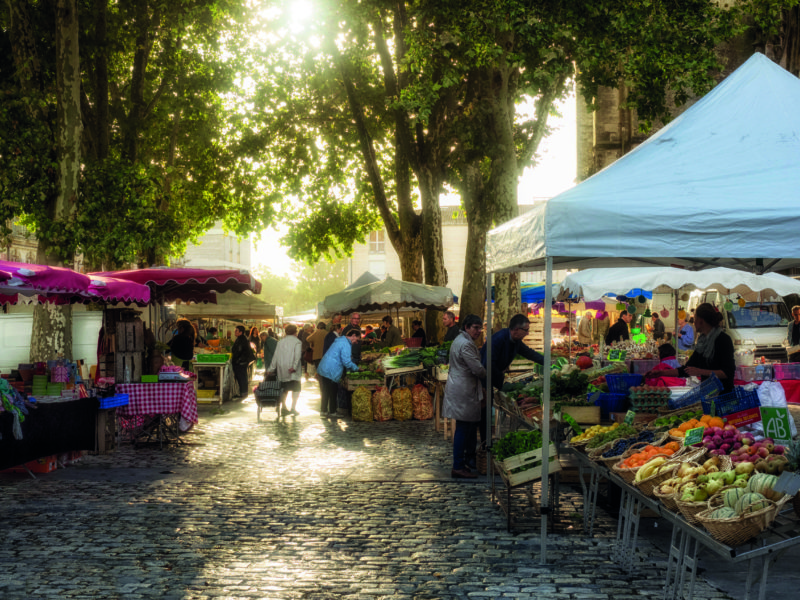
(353, 384)
(130, 336)
(133, 360)
(440, 375)
(533, 473)
(588, 415)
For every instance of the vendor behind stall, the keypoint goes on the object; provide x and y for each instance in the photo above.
(182, 343)
(618, 332)
(713, 352)
(393, 335)
(419, 332)
(506, 344)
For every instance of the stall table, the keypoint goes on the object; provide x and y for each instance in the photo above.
(220, 369)
(172, 407)
(50, 428)
(759, 553)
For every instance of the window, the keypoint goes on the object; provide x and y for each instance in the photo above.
(377, 243)
(377, 266)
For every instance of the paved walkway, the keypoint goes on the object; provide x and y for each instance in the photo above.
(294, 508)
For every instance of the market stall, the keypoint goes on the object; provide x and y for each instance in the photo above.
(735, 145)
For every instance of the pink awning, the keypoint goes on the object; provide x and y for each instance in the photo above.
(111, 289)
(188, 285)
(41, 278)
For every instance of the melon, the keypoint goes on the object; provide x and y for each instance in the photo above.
(723, 512)
(762, 483)
(731, 497)
(750, 502)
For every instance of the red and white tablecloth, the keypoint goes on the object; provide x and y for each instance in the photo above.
(159, 399)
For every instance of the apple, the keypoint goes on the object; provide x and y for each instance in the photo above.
(746, 441)
(763, 452)
(737, 445)
(717, 440)
(725, 448)
(730, 428)
(768, 440)
(778, 449)
(770, 447)
(751, 450)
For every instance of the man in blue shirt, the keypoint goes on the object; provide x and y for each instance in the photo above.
(506, 344)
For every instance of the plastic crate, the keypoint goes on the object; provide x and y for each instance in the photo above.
(786, 370)
(620, 383)
(745, 373)
(608, 403)
(642, 366)
(728, 404)
(114, 401)
(712, 386)
(207, 393)
(213, 358)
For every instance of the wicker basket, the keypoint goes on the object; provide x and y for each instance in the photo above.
(689, 510)
(665, 412)
(689, 454)
(738, 530)
(668, 500)
(649, 485)
(614, 459)
(628, 474)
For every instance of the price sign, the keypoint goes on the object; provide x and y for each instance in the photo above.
(693, 436)
(776, 424)
(629, 417)
(615, 354)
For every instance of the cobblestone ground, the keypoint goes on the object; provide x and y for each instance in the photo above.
(295, 508)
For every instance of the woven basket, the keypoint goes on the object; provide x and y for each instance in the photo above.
(738, 530)
(689, 454)
(716, 501)
(581, 446)
(614, 459)
(649, 485)
(689, 510)
(665, 412)
(669, 500)
(628, 474)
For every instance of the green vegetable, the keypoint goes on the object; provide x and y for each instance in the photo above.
(517, 442)
(402, 361)
(364, 375)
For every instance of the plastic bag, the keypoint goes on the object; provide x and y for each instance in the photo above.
(401, 404)
(421, 404)
(362, 404)
(382, 405)
(770, 393)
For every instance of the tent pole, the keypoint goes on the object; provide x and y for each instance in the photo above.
(569, 330)
(487, 435)
(548, 332)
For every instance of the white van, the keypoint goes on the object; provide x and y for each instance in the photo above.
(760, 326)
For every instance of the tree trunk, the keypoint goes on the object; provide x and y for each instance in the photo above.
(478, 208)
(432, 248)
(101, 80)
(51, 334)
(136, 113)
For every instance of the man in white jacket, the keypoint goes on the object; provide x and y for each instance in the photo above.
(286, 363)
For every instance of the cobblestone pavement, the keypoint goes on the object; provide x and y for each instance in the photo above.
(295, 508)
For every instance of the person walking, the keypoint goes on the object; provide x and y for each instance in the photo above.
(268, 345)
(331, 368)
(286, 365)
(463, 394)
(317, 343)
(241, 356)
(334, 331)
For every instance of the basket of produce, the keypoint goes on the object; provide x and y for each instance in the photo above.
(691, 499)
(617, 450)
(651, 476)
(623, 430)
(666, 490)
(628, 467)
(580, 442)
(674, 418)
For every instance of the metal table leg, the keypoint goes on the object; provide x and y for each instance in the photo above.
(589, 496)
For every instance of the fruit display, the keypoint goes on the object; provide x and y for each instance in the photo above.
(657, 464)
(704, 421)
(707, 478)
(675, 420)
(766, 456)
(622, 431)
(619, 448)
(592, 431)
(638, 459)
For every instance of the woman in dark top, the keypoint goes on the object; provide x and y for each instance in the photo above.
(419, 332)
(255, 339)
(713, 350)
(182, 343)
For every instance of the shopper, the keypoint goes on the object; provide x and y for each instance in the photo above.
(305, 349)
(793, 334)
(268, 345)
(585, 329)
(419, 332)
(334, 331)
(658, 327)
(449, 321)
(241, 356)
(713, 351)
(286, 363)
(371, 337)
(331, 368)
(317, 343)
(601, 326)
(685, 335)
(463, 394)
(393, 335)
(182, 344)
(619, 330)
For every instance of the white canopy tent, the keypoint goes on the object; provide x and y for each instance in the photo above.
(592, 284)
(719, 186)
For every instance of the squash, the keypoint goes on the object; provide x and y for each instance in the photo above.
(762, 483)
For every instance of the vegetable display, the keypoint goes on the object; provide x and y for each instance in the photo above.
(516, 442)
(421, 403)
(623, 431)
(364, 375)
(402, 361)
(382, 405)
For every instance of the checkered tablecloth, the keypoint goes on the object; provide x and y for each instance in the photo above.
(159, 399)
